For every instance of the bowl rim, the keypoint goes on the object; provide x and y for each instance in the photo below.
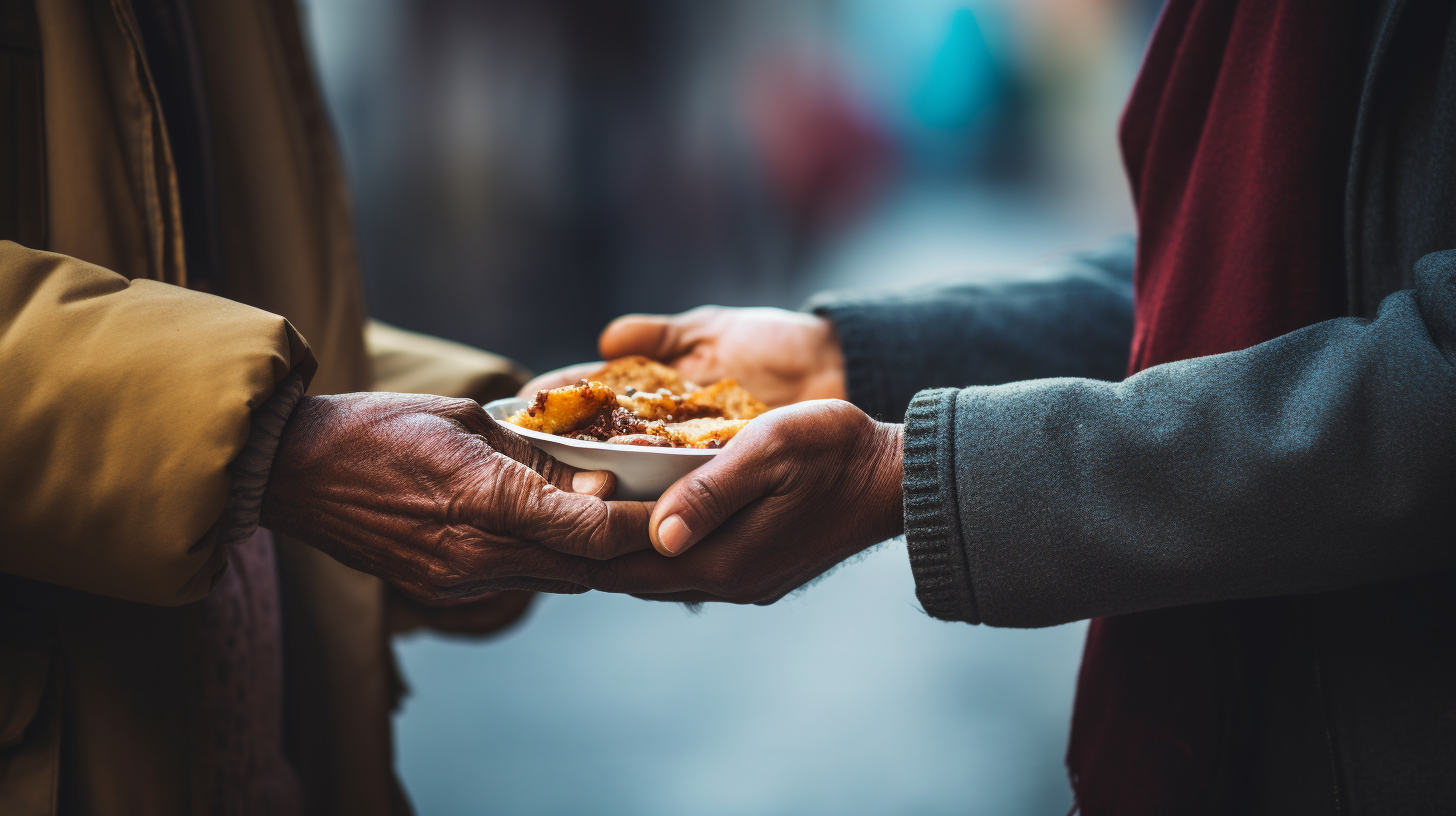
(517, 403)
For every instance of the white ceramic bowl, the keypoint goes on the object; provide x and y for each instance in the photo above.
(642, 473)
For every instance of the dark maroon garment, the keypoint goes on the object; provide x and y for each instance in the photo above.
(234, 638)
(1237, 141)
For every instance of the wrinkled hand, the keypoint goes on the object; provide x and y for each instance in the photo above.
(781, 357)
(433, 496)
(798, 490)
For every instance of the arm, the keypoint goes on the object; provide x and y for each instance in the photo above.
(146, 427)
(1069, 318)
(125, 404)
(1322, 459)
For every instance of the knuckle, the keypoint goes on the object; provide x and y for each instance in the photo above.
(460, 406)
(575, 525)
(438, 575)
(591, 530)
(538, 460)
(708, 496)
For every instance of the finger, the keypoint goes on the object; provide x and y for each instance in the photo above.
(657, 336)
(503, 564)
(641, 573)
(599, 483)
(571, 523)
(698, 503)
(558, 378)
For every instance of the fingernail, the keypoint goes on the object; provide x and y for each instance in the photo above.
(589, 482)
(673, 534)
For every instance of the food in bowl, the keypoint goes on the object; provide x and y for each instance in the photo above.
(637, 401)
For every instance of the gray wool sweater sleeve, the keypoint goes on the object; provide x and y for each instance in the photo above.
(1322, 459)
(1071, 317)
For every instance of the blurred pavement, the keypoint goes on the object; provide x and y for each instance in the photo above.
(844, 699)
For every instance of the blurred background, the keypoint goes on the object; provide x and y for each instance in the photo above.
(525, 170)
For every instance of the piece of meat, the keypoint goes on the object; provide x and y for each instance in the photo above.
(563, 410)
(636, 373)
(611, 421)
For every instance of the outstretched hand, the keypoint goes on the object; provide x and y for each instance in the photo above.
(781, 357)
(433, 496)
(798, 490)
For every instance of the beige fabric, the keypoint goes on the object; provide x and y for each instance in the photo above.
(126, 396)
(111, 193)
(284, 222)
(115, 460)
(413, 363)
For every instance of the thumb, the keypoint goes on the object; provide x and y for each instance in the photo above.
(655, 336)
(700, 502)
(572, 523)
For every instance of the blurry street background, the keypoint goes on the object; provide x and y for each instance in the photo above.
(525, 170)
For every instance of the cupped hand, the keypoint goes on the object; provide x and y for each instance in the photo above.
(433, 496)
(797, 491)
(781, 357)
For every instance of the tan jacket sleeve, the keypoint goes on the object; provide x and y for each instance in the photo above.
(124, 402)
(413, 363)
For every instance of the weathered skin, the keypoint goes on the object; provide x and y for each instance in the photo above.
(435, 497)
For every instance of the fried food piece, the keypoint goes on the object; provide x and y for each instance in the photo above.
(725, 398)
(651, 405)
(563, 410)
(636, 401)
(708, 432)
(637, 373)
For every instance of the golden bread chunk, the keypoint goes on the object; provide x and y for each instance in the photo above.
(627, 374)
(635, 401)
(725, 398)
(708, 432)
(563, 410)
(651, 405)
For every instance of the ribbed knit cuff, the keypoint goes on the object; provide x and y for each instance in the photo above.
(932, 524)
(864, 381)
(251, 467)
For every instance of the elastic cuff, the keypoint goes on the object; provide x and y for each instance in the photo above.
(864, 382)
(932, 525)
(250, 469)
